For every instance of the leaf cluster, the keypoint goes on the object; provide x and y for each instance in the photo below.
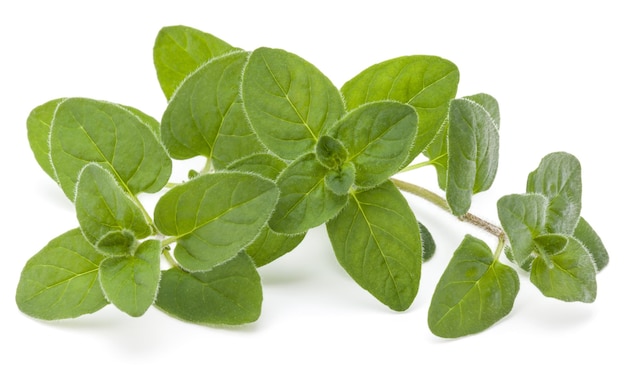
(287, 151)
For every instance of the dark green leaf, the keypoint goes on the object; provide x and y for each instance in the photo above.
(330, 152)
(428, 243)
(61, 280)
(474, 292)
(592, 242)
(340, 182)
(377, 241)
(230, 293)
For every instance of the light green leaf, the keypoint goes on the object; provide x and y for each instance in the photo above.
(61, 280)
(205, 116)
(271, 245)
(523, 218)
(130, 282)
(330, 152)
(117, 243)
(179, 50)
(558, 177)
(427, 83)
(305, 199)
(230, 293)
(378, 137)
(592, 242)
(474, 292)
(102, 207)
(85, 130)
(473, 144)
(265, 164)
(376, 239)
(38, 126)
(289, 102)
(214, 216)
(565, 269)
(341, 181)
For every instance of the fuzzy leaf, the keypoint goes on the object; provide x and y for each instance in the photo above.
(214, 216)
(592, 242)
(38, 126)
(428, 243)
(376, 239)
(474, 292)
(265, 164)
(61, 280)
(289, 102)
(230, 293)
(179, 50)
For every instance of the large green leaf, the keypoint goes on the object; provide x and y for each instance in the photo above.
(230, 293)
(564, 270)
(179, 50)
(289, 102)
(377, 241)
(558, 177)
(474, 292)
(214, 216)
(205, 116)
(130, 282)
(38, 126)
(103, 207)
(592, 242)
(86, 130)
(523, 217)
(427, 83)
(61, 280)
(473, 144)
(305, 199)
(378, 137)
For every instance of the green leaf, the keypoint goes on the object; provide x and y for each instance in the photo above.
(38, 126)
(558, 177)
(205, 116)
(330, 152)
(102, 207)
(61, 280)
(565, 269)
(117, 243)
(289, 102)
(472, 149)
(305, 199)
(378, 137)
(427, 83)
(474, 292)
(85, 130)
(214, 216)
(271, 245)
(376, 239)
(592, 242)
(130, 282)
(230, 293)
(265, 164)
(179, 50)
(341, 181)
(428, 243)
(523, 218)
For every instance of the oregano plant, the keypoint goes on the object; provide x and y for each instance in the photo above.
(286, 151)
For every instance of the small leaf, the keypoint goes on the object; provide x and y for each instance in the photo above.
(214, 216)
(473, 144)
(340, 182)
(305, 199)
(61, 280)
(85, 130)
(330, 152)
(130, 282)
(117, 243)
(179, 50)
(428, 243)
(38, 126)
(103, 207)
(523, 218)
(230, 293)
(558, 177)
(474, 292)
(427, 83)
(378, 137)
(205, 116)
(289, 102)
(377, 241)
(592, 242)
(565, 270)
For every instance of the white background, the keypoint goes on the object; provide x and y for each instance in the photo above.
(557, 70)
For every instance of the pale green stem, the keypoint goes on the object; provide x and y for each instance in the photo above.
(169, 258)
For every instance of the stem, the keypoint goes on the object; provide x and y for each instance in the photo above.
(169, 258)
(443, 204)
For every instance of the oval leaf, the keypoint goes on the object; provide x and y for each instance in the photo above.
(592, 242)
(38, 126)
(289, 102)
(214, 216)
(376, 239)
(474, 292)
(61, 280)
(85, 130)
(230, 293)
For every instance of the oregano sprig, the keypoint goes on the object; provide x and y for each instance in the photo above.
(285, 151)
